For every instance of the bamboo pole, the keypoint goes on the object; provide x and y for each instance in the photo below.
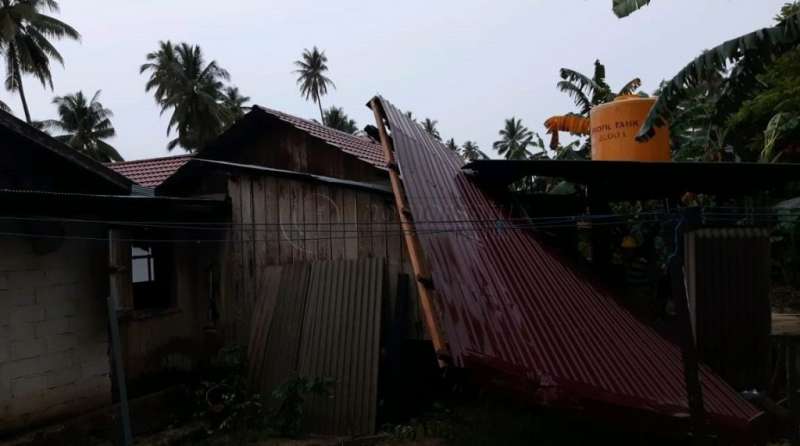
(423, 278)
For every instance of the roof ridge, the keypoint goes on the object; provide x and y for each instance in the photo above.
(313, 122)
(160, 158)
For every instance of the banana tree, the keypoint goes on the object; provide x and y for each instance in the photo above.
(748, 55)
(586, 92)
(624, 8)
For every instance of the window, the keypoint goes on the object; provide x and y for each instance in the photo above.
(150, 275)
(142, 264)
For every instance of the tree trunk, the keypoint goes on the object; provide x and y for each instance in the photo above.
(321, 115)
(18, 74)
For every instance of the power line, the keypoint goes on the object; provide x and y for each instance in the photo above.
(284, 239)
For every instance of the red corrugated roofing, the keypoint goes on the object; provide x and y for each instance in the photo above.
(150, 172)
(509, 304)
(361, 147)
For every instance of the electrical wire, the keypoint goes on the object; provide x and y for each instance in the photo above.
(348, 230)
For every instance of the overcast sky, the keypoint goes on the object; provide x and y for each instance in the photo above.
(467, 63)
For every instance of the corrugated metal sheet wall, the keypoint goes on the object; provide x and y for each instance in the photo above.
(325, 324)
(728, 280)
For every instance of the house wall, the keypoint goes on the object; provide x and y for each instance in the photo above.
(279, 145)
(54, 358)
(175, 339)
(279, 221)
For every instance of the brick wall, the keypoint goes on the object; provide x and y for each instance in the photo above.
(54, 358)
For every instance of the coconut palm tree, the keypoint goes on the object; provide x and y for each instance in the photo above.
(313, 82)
(161, 64)
(24, 33)
(429, 125)
(84, 125)
(336, 118)
(192, 89)
(234, 104)
(515, 139)
(451, 144)
(471, 152)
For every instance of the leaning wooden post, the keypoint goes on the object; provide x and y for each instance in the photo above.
(424, 281)
(116, 345)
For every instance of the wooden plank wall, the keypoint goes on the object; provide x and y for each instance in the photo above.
(281, 221)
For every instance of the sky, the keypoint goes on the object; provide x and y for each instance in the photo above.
(469, 64)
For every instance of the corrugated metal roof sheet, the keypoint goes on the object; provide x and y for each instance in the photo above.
(359, 146)
(509, 304)
(322, 320)
(150, 172)
(341, 339)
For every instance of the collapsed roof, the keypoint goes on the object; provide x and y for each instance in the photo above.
(512, 308)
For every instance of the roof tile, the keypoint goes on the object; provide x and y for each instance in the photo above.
(150, 172)
(359, 146)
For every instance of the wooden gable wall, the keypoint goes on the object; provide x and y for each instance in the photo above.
(270, 142)
(280, 221)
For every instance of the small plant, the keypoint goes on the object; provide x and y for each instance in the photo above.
(291, 395)
(226, 401)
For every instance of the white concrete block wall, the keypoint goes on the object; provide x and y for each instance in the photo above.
(54, 358)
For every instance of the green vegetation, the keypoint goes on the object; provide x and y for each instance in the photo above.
(588, 92)
(291, 396)
(313, 82)
(471, 152)
(84, 125)
(743, 60)
(624, 8)
(181, 81)
(234, 104)
(336, 118)
(25, 31)
(429, 125)
(515, 139)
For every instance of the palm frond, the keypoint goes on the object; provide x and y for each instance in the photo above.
(751, 53)
(624, 8)
(108, 152)
(581, 81)
(577, 95)
(630, 88)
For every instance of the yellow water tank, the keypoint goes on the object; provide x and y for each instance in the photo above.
(614, 127)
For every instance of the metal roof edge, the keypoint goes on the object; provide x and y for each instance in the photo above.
(226, 165)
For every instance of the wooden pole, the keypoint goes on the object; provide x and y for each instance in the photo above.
(424, 281)
(791, 389)
(116, 345)
(691, 367)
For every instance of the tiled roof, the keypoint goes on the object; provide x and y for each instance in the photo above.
(362, 147)
(150, 172)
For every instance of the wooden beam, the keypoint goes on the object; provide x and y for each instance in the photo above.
(689, 355)
(424, 282)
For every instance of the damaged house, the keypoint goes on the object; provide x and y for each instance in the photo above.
(324, 254)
